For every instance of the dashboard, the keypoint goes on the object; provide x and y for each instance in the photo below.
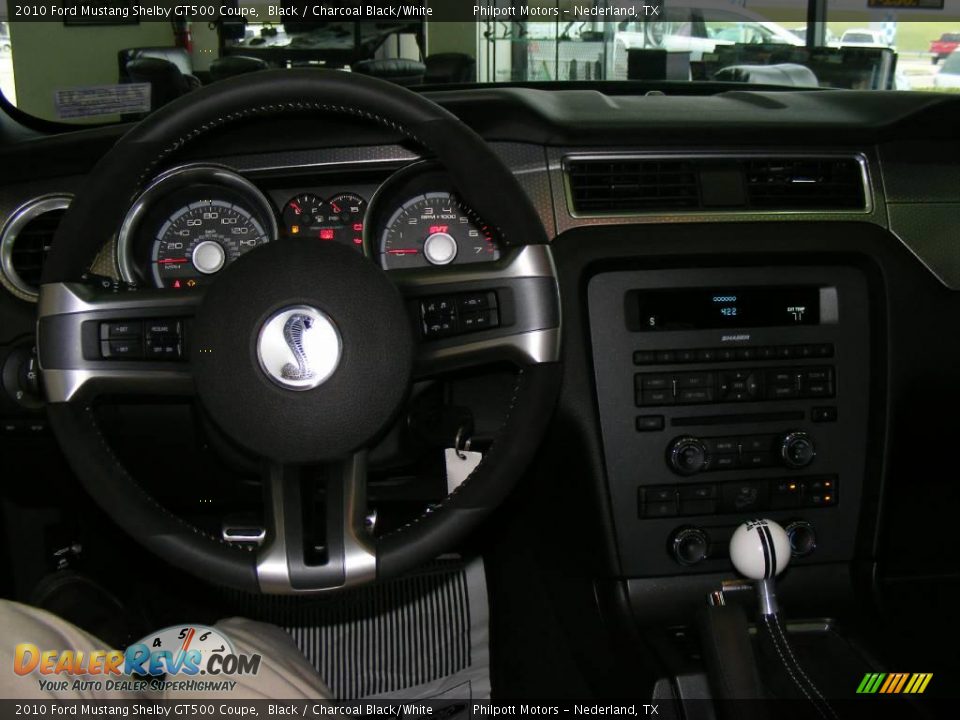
(663, 430)
(195, 219)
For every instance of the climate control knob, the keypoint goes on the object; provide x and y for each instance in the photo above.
(689, 546)
(687, 456)
(803, 538)
(797, 449)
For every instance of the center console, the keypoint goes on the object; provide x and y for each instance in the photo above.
(726, 394)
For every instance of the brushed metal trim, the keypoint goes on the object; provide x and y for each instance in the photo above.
(530, 346)
(359, 560)
(19, 218)
(526, 261)
(860, 158)
(73, 298)
(172, 180)
(524, 348)
(88, 378)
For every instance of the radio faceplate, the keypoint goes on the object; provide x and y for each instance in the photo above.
(706, 426)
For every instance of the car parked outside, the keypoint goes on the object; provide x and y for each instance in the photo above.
(949, 75)
(944, 45)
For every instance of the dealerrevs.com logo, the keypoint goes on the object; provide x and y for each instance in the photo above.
(174, 658)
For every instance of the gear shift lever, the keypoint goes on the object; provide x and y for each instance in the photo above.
(760, 550)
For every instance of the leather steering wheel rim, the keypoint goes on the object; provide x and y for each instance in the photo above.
(119, 177)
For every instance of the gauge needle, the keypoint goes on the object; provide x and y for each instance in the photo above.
(408, 251)
(185, 646)
(171, 261)
(187, 639)
(296, 208)
(335, 207)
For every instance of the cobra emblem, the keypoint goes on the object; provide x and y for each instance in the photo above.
(293, 331)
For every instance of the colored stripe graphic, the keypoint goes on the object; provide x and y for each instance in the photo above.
(894, 683)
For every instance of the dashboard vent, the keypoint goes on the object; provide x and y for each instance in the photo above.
(26, 240)
(634, 185)
(599, 186)
(805, 184)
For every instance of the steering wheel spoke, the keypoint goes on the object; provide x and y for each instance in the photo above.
(94, 342)
(303, 553)
(466, 316)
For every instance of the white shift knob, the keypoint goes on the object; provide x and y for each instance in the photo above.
(760, 549)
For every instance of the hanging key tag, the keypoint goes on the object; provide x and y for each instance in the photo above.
(460, 462)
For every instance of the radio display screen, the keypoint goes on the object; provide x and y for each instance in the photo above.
(708, 308)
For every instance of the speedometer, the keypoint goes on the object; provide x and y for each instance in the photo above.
(199, 239)
(189, 224)
(435, 229)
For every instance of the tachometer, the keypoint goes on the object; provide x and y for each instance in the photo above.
(199, 239)
(435, 229)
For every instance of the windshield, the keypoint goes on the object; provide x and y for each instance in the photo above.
(113, 60)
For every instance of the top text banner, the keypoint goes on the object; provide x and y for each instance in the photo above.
(120, 11)
(108, 12)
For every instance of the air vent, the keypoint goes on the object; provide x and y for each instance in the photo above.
(25, 242)
(632, 185)
(805, 184)
(623, 186)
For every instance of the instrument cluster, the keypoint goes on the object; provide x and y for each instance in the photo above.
(193, 221)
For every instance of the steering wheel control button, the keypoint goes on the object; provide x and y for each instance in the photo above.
(163, 339)
(208, 257)
(444, 316)
(129, 349)
(122, 329)
(299, 348)
(440, 249)
(139, 339)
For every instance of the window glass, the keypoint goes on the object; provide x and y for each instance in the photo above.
(139, 65)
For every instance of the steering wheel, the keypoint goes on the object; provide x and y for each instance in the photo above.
(300, 407)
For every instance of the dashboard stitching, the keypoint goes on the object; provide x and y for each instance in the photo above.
(119, 466)
(425, 514)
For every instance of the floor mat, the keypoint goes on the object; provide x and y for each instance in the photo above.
(422, 636)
